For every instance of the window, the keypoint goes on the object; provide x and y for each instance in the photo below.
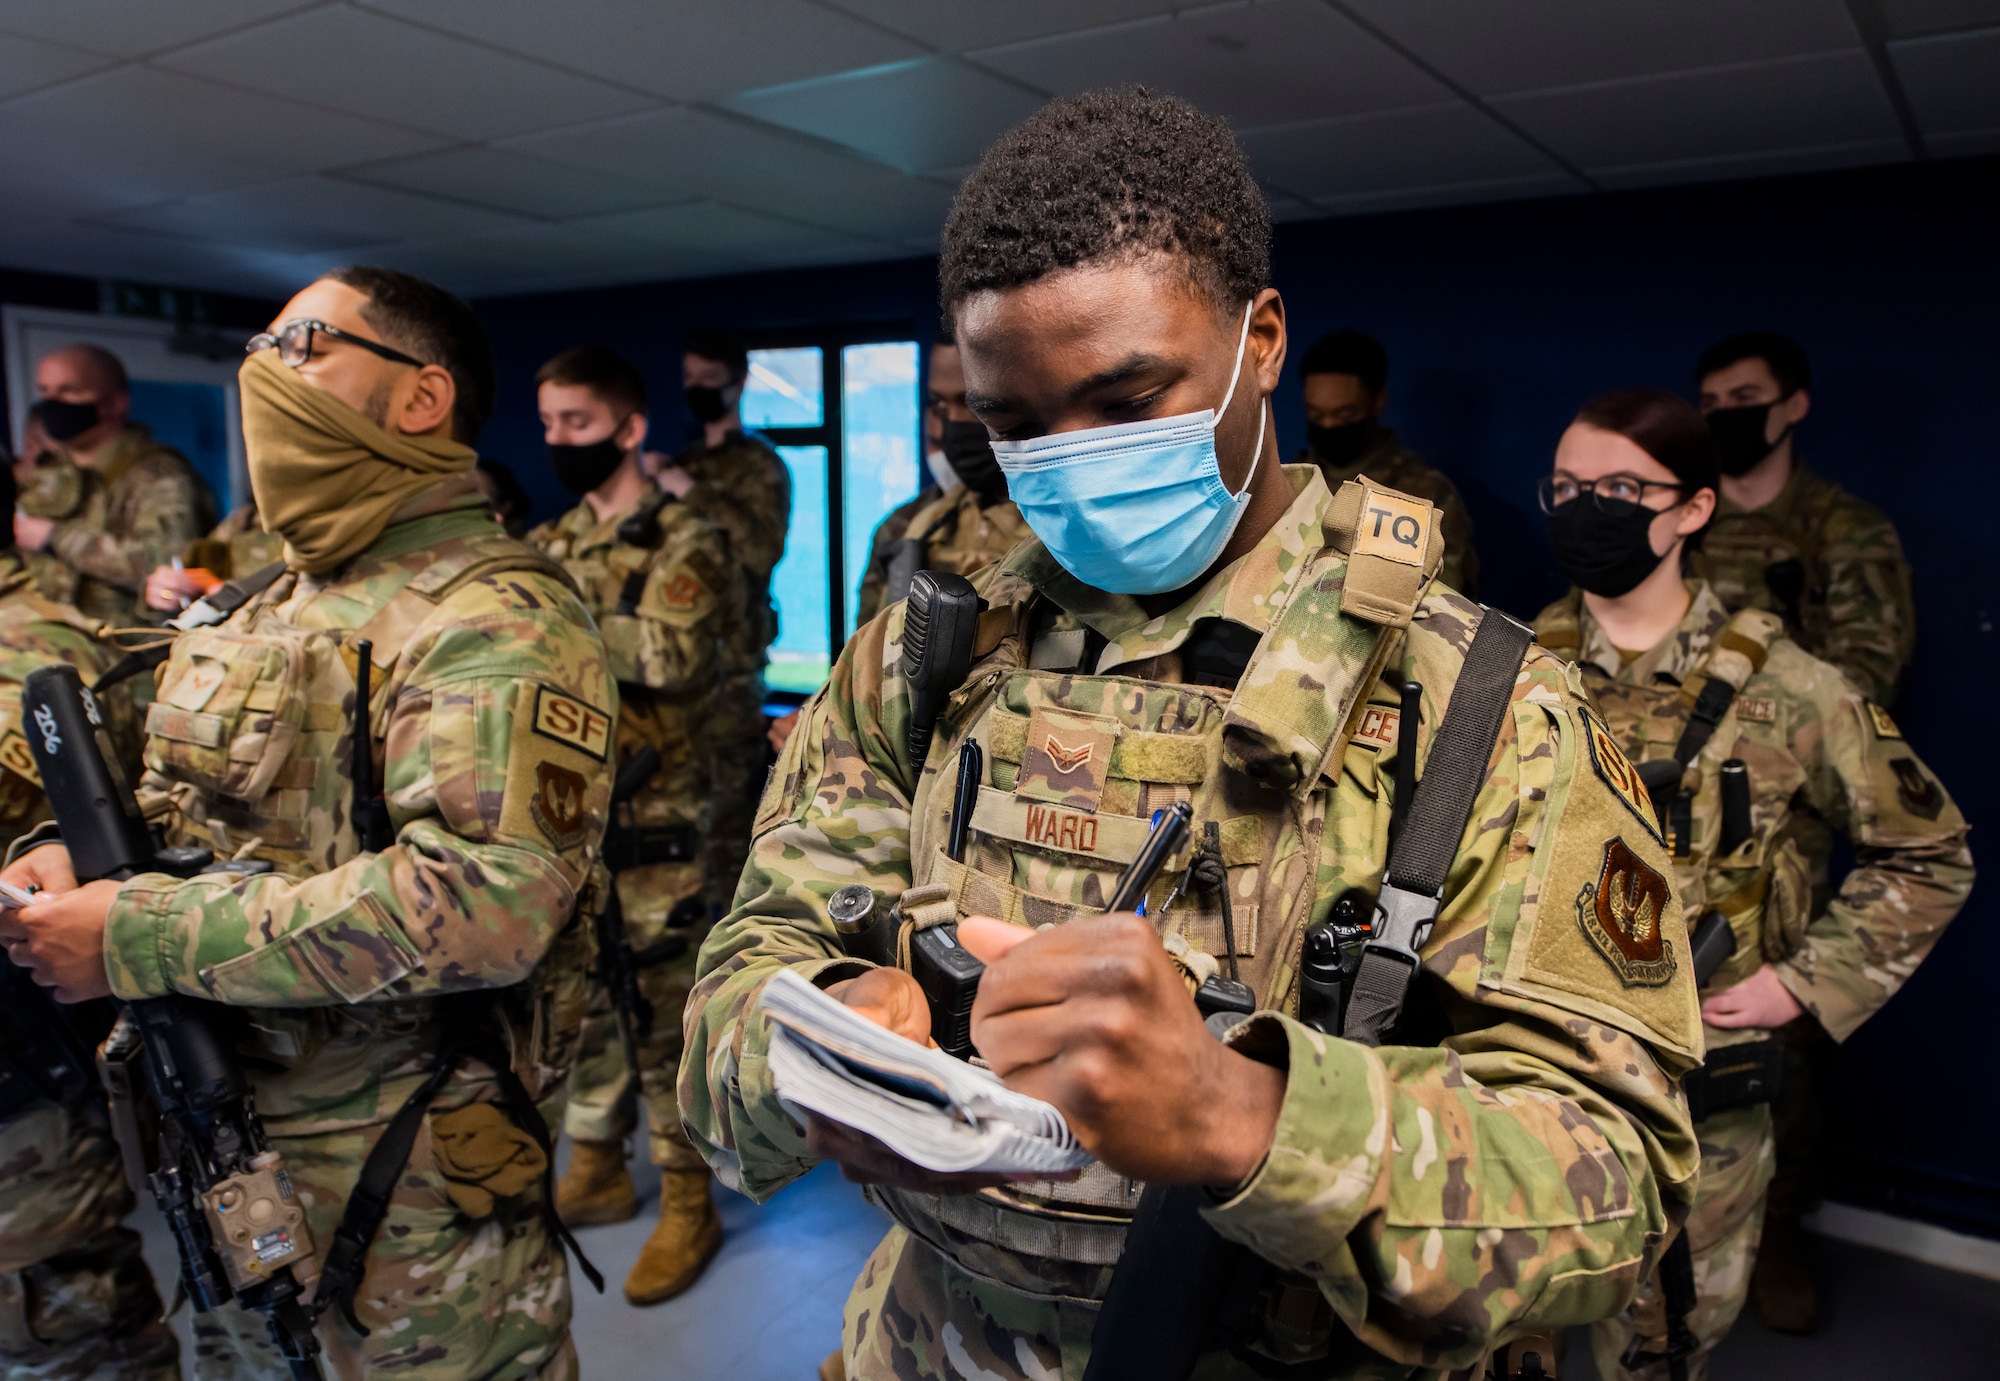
(846, 418)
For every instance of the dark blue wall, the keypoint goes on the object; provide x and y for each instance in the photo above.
(1499, 322)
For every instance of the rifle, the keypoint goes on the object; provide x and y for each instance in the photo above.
(236, 1220)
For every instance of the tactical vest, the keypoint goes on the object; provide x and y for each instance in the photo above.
(1075, 765)
(249, 753)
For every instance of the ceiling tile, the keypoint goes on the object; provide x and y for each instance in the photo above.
(957, 25)
(134, 135)
(1453, 194)
(930, 113)
(723, 159)
(351, 60)
(131, 28)
(307, 214)
(536, 258)
(687, 49)
(1908, 18)
(28, 64)
(1953, 82)
(1765, 163)
(1270, 63)
(1963, 145)
(1800, 104)
(509, 181)
(100, 252)
(1359, 154)
(1527, 45)
(709, 228)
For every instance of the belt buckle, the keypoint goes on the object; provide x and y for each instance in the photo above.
(1403, 920)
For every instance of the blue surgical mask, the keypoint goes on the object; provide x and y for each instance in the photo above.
(1137, 508)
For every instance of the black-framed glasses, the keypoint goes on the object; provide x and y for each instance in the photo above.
(1554, 491)
(294, 343)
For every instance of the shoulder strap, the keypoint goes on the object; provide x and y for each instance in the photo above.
(1737, 654)
(1420, 857)
(390, 628)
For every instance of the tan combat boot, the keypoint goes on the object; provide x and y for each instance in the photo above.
(834, 1368)
(597, 1188)
(684, 1241)
(1781, 1284)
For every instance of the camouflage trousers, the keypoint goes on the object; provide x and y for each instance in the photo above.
(76, 1300)
(1723, 1229)
(603, 1094)
(445, 1297)
(742, 762)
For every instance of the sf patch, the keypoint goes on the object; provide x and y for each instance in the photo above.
(1624, 915)
(1879, 721)
(557, 806)
(1617, 772)
(15, 757)
(573, 723)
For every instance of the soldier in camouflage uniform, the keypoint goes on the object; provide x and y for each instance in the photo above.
(147, 502)
(962, 529)
(1345, 376)
(1787, 540)
(737, 482)
(490, 720)
(1810, 743)
(657, 578)
(1518, 1160)
(76, 1300)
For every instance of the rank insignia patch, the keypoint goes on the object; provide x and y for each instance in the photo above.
(1624, 914)
(1618, 773)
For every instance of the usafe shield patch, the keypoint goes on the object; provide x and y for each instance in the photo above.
(572, 722)
(1617, 772)
(1624, 913)
(1920, 795)
(557, 807)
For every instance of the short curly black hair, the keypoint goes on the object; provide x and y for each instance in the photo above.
(1104, 174)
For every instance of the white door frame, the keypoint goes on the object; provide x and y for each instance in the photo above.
(146, 346)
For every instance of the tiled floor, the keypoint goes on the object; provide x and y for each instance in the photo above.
(769, 1308)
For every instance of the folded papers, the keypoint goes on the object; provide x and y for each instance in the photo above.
(927, 1107)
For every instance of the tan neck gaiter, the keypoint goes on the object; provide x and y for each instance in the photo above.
(327, 479)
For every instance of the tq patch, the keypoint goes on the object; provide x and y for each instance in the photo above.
(572, 722)
(1624, 915)
(1393, 527)
(1916, 789)
(1879, 721)
(557, 806)
(1617, 772)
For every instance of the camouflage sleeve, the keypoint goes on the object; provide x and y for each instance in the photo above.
(1912, 867)
(1524, 1172)
(752, 502)
(836, 811)
(167, 509)
(669, 641)
(496, 742)
(875, 580)
(1870, 607)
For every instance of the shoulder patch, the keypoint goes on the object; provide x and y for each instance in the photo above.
(557, 807)
(1758, 709)
(16, 758)
(1915, 788)
(572, 722)
(1379, 727)
(1624, 914)
(1879, 721)
(1617, 772)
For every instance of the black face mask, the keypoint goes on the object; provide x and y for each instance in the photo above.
(1604, 546)
(66, 421)
(1341, 446)
(966, 446)
(1739, 436)
(705, 403)
(581, 469)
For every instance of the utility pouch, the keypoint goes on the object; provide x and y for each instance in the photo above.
(1736, 1076)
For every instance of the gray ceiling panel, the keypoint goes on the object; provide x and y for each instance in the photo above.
(1526, 45)
(1452, 194)
(1803, 103)
(28, 64)
(687, 49)
(509, 181)
(365, 64)
(1364, 154)
(1768, 163)
(310, 214)
(931, 113)
(1953, 82)
(956, 25)
(1908, 18)
(706, 227)
(1265, 64)
(132, 28)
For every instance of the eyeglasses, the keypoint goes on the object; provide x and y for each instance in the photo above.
(294, 343)
(1555, 491)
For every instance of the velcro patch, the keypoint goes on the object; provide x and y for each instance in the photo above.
(1759, 709)
(16, 757)
(1113, 838)
(572, 722)
(1393, 527)
(1379, 727)
(1066, 759)
(1878, 719)
(1624, 913)
(557, 807)
(1617, 772)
